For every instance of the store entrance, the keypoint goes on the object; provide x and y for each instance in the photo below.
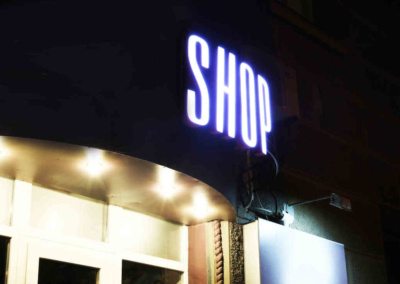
(58, 272)
(137, 273)
(58, 263)
(4, 243)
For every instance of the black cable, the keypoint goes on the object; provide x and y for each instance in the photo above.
(276, 174)
(251, 201)
(276, 163)
(275, 199)
(250, 187)
(259, 201)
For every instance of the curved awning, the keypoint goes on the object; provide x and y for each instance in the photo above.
(114, 178)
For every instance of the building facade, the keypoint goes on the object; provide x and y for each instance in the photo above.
(107, 176)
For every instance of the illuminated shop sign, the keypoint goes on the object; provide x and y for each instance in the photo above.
(226, 94)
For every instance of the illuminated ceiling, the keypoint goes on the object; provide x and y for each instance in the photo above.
(114, 178)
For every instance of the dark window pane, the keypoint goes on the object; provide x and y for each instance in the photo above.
(3, 258)
(136, 273)
(57, 272)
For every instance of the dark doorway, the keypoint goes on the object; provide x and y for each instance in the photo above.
(57, 272)
(4, 243)
(136, 273)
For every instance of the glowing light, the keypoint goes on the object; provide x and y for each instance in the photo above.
(204, 116)
(265, 111)
(200, 208)
(4, 151)
(229, 90)
(166, 186)
(94, 163)
(287, 218)
(215, 98)
(247, 91)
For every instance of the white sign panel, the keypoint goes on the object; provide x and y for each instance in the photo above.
(288, 256)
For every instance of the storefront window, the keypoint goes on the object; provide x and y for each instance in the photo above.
(57, 272)
(3, 258)
(136, 273)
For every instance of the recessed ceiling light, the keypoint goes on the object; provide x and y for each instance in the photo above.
(94, 163)
(201, 207)
(167, 192)
(166, 185)
(4, 151)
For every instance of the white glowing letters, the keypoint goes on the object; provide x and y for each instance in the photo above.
(219, 98)
(204, 116)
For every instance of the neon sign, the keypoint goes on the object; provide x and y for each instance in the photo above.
(229, 97)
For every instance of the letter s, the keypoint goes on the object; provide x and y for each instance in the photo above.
(204, 115)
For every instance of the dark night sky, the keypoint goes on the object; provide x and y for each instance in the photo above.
(108, 75)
